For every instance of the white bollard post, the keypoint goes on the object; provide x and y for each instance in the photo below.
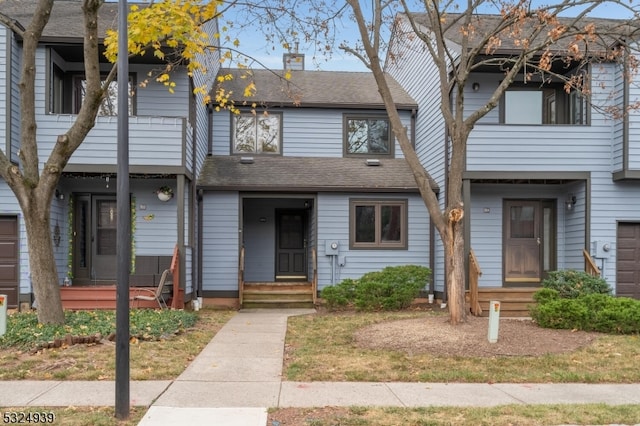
(494, 321)
(3, 314)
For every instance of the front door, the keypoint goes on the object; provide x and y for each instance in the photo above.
(94, 242)
(291, 245)
(529, 241)
(9, 258)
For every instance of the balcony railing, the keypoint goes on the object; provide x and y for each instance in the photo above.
(152, 140)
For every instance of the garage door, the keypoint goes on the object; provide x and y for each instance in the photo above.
(628, 260)
(9, 259)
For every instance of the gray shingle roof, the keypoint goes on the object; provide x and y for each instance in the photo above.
(326, 89)
(294, 174)
(66, 21)
(610, 30)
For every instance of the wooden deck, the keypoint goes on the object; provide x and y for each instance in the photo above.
(104, 296)
(101, 297)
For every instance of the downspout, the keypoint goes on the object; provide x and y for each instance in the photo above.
(209, 131)
(199, 243)
(192, 201)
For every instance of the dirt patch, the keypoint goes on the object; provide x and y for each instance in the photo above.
(434, 335)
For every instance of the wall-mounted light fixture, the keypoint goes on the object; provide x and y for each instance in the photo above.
(570, 202)
(475, 86)
(59, 194)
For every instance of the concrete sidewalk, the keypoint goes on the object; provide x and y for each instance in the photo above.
(238, 376)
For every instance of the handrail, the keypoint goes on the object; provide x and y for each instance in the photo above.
(241, 276)
(590, 265)
(474, 273)
(314, 279)
(176, 302)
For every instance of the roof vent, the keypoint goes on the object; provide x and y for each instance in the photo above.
(246, 160)
(372, 162)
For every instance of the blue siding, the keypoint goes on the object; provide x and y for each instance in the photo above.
(156, 221)
(153, 140)
(211, 62)
(306, 132)
(424, 87)
(220, 247)
(634, 125)
(15, 98)
(333, 225)
(4, 83)
(611, 203)
(487, 225)
(617, 146)
(155, 99)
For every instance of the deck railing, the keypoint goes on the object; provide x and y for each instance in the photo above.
(590, 265)
(241, 275)
(314, 278)
(474, 274)
(177, 301)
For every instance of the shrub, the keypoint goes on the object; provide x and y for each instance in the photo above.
(589, 312)
(393, 288)
(24, 331)
(340, 295)
(572, 284)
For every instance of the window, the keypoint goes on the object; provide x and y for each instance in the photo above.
(256, 134)
(378, 224)
(368, 136)
(109, 106)
(550, 104)
(68, 91)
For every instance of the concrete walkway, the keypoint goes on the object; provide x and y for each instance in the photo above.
(238, 376)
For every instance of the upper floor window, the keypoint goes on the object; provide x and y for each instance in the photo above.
(257, 134)
(549, 104)
(368, 136)
(378, 224)
(68, 91)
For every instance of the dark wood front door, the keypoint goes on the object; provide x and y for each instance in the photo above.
(9, 259)
(291, 245)
(529, 241)
(94, 242)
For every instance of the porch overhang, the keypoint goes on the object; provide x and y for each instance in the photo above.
(305, 174)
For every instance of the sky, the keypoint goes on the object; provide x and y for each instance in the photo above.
(252, 42)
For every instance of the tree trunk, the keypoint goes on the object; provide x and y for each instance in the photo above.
(455, 261)
(44, 275)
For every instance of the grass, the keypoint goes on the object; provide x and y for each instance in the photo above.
(80, 416)
(166, 344)
(508, 415)
(321, 348)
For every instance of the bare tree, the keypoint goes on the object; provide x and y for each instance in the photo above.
(461, 42)
(520, 39)
(161, 24)
(34, 190)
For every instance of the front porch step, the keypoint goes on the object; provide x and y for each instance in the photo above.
(514, 301)
(277, 295)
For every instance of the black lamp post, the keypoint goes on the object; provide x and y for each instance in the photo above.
(123, 236)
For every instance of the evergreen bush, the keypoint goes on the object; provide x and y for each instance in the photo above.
(392, 288)
(588, 312)
(571, 283)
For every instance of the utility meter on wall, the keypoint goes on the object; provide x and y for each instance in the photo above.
(331, 248)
